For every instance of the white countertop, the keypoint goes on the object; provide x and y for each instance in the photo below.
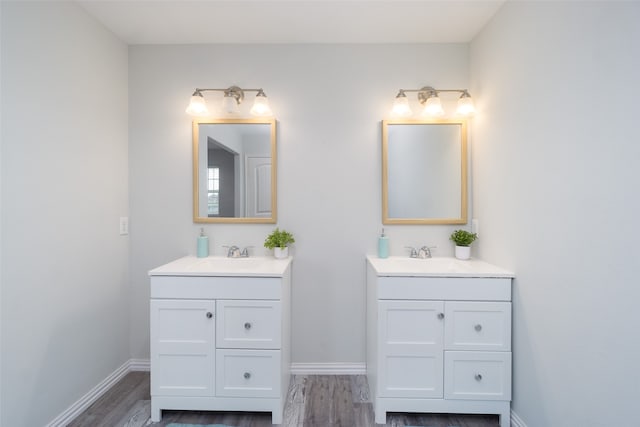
(224, 267)
(435, 267)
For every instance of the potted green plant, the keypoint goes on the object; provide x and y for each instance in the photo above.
(463, 240)
(279, 241)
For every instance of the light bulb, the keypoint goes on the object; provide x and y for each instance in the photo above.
(230, 104)
(465, 105)
(433, 107)
(401, 106)
(197, 106)
(260, 106)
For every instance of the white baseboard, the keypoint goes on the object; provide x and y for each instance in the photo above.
(143, 365)
(328, 368)
(516, 421)
(85, 401)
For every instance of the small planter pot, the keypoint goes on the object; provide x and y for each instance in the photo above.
(281, 252)
(463, 252)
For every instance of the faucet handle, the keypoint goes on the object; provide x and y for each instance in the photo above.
(425, 251)
(413, 253)
(245, 252)
(233, 251)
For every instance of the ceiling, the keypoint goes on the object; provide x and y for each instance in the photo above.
(292, 21)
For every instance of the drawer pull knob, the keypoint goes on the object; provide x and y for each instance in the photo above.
(440, 316)
(478, 327)
(209, 315)
(478, 377)
(247, 326)
(247, 375)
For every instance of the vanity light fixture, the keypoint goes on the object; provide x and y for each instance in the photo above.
(430, 99)
(401, 105)
(233, 97)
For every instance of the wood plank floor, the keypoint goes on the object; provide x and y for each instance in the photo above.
(314, 401)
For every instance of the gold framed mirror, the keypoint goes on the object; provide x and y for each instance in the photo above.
(234, 171)
(424, 172)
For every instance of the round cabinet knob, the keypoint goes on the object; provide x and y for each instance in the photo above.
(247, 326)
(209, 315)
(440, 316)
(247, 375)
(478, 377)
(478, 327)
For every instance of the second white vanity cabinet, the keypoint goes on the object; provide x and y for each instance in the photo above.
(220, 335)
(438, 337)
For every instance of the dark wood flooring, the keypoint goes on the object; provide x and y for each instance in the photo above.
(314, 401)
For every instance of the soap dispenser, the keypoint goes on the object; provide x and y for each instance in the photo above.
(383, 246)
(203, 245)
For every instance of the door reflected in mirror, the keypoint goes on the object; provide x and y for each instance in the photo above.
(234, 164)
(424, 172)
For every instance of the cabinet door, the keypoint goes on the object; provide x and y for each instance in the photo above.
(248, 324)
(182, 347)
(478, 326)
(411, 348)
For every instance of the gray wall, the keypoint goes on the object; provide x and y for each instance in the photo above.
(555, 156)
(329, 100)
(64, 284)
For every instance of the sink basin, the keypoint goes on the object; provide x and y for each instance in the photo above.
(435, 267)
(223, 266)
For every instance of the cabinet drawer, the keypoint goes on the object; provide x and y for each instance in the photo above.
(248, 324)
(210, 287)
(477, 326)
(247, 373)
(444, 288)
(477, 375)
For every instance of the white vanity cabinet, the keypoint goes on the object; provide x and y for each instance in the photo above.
(220, 335)
(438, 337)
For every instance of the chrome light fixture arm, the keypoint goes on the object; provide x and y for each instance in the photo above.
(233, 92)
(427, 92)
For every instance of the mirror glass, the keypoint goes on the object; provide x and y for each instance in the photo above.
(234, 170)
(424, 172)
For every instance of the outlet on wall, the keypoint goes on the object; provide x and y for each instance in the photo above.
(475, 225)
(124, 225)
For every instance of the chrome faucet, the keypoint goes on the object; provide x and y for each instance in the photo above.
(235, 252)
(413, 252)
(423, 252)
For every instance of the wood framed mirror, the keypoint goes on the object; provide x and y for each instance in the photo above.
(234, 171)
(424, 172)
